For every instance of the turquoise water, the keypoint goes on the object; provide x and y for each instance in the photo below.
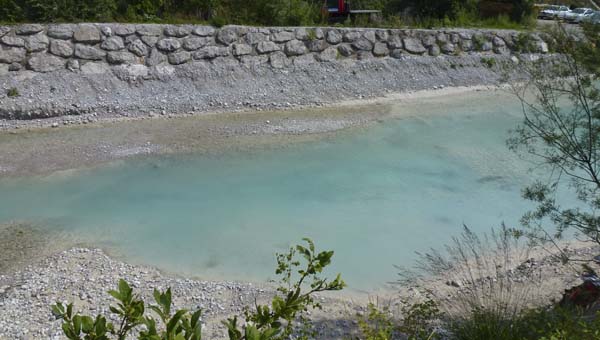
(374, 195)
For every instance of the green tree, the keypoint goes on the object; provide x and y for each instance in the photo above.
(10, 11)
(561, 130)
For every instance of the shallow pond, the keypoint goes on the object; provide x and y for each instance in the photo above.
(375, 195)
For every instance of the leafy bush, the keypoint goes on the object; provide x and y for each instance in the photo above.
(418, 322)
(264, 323)
(12, 92)
(489, 62)
(377, 324)
(419, 319)
(554, 323)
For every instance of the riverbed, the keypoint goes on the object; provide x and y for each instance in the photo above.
(215, 196)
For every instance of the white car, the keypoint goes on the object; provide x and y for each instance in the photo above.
(554, 12)
(593, 19)
(577, 15)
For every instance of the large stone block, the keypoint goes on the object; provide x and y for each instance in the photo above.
(12, 41)
(429, 40)
(211, 52)
(124, 30)
(88, 52)
(149, 40)
(12, 55)
(279, 60)
(37, 42)
(61, 48)
(194, 43)
(42, 62)
(177, 31)
(370, 36)
(328, 55)
(87, 34)
(382, 35)
(295, 48)
(204, 31)
(333, 37)
(363, 44)
(151, 30)
(178, 58)
(498, 42)
(226, 36)
(114, 43)
(395, 42)
(168, 45)
(241, 49)
(448, 48)
(63, 32)
(414, 46)
(28, 29)
(283, 36)
(138, 48)
(254, 38)
(466, 45)
(345, 50)
(352, 36)
(434, 51)
(380, 49)
(317, 45)
(120, 57)
(155, 57)
(302, 33)
(264, 47)
(4, 30)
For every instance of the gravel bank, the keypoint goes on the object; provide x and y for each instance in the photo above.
(208, 87)
(83, 276)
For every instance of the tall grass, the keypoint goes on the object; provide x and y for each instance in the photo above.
(489, 279)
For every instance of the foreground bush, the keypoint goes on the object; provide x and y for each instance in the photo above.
(300, 270)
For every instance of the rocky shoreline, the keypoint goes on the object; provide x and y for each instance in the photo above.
(83, 276)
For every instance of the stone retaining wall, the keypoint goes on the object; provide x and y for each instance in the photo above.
(92, 48)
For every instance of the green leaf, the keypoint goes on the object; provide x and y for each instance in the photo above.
(87, 324)
(175, 320)
(195, 318)
(115, 294)
(77, 324)
(100, 325)
(58, 309)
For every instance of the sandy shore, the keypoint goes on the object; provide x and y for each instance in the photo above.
(37, 148)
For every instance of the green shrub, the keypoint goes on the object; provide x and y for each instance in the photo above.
(489, 62)
(553, 323)
(419, 320)
(377, 324)
(417, 324)
(478, 41)
(12, 92)
(524, 43)
(264, 323)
